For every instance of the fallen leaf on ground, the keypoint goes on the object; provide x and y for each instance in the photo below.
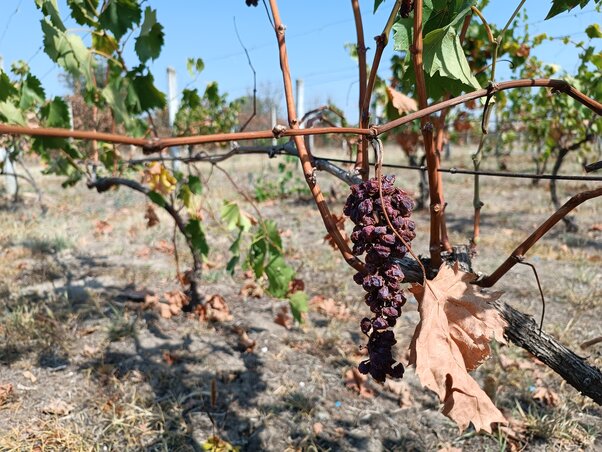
(401, 389)
(163, 246)
(283, 318)
(317, 428)
(31, 377)
(215, 309)
(356, 381)
(456, 326)
(143, 252)
(151, 216)
(170, 358)
(6, 390)
(546, 396)
(244, 341)
(329, 307)
(251, 289)
(596, 227)
(102, 227)
(90, 351)
(58, 407)
(216, 444)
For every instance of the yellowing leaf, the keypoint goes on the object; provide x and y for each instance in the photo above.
(456, 325)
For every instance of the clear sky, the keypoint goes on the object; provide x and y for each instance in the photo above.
(316, 34)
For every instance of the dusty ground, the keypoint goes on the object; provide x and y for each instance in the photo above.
(90, 370)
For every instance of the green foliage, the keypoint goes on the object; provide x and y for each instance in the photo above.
(235, 219)
(196, 235)
(445, 64)
(286, 184)
(560, 6)
(151, 38)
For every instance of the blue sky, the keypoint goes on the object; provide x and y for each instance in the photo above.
(316, 34)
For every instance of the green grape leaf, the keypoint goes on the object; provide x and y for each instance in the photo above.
(194, 66)
(190, 99)
(560, 6)
(11, 113)
(83, 11)
(443, 54)
(32, 92)
(279, 276)
(150, 41)
(597, 60)
(6, 87)
(68, 50)
(113, 96)
(56, 113)
(234, 217)
(194, 231)
(50, 9)
(147, 94)
(593, 31)
(104, 43)
(299, 304)
(157, 198)
(119, 16)
(377, 3)
(195, 185)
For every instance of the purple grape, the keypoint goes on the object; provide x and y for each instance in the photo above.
(381, 278)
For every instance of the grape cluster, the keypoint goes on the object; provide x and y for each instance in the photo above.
(382, 276)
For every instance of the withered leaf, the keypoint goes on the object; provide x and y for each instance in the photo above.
(356, 381)
(151, 216)
(401, 102)
(456, 325)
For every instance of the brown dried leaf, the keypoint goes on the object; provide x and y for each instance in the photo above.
(296, 285)
(58, 407)
(596, 227)
(329, 307)
(456, 325)
(166, 247)
(401, 389)
(401, 102)
(6, 391)
(244, 341)
(216, 309)
(546, 396)
(356, 381)
(102, 227)
(283, 318)
(251, 289)
(151, 216)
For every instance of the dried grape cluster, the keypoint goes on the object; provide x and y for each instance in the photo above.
(382, 277)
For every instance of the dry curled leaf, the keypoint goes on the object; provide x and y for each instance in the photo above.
(452, 338)
(251, 289)
(58, 407)
(244, 341)
(283, 318)
(216, 310)
(329, 307)
(6, 391)
(401, 102)
(151, 216)
(102, 227)
(357, 382)
(401, 389)
(545, 395)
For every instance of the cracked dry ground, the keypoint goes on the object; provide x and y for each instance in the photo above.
(89, 369)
